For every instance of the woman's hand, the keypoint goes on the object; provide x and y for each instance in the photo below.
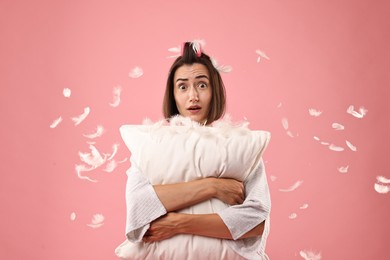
(162, 228)
(230, 191)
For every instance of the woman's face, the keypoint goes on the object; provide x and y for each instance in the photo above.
(192, 91)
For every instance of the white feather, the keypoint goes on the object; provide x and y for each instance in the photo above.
(285, 123)
(56, 122)
(114, 151)
(343, 169)
(78, 119)
(336, 148)
(292, 187)
(362, 111)
(382, 179)
(293, 216)
(136, 73)
(304, 206)
(289, 133)
(325, 143)
(82, 168)
(310, 255)
(221, 68)
(314, 112)
(97, 221)
(337, 126)
(99, 132)
(94, 158)
(66, 92)
(198, 45)
(110, 166)
(261, 55)
(116, 93)
(174, 49)
(316, 138)
(73, 216)
(380, 188)
(351, 146)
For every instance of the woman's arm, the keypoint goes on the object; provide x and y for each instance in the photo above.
(209, 225)
(182, 195)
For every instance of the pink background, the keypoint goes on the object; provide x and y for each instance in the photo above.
(325, 55)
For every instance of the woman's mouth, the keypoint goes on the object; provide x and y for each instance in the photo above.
(194, 109)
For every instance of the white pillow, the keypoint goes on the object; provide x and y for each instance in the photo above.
(185, 151)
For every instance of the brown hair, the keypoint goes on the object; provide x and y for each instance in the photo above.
(218, 98)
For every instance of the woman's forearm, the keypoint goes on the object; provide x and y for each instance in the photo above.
(211, 225)
(182, 195)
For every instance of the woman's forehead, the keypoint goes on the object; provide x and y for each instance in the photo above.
(191, 71)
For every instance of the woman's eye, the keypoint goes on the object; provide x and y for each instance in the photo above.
(182, 87)
(202, 85)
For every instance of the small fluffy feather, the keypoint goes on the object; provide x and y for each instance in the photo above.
(314, 112)
(337, 126)
(94, 158)
(97, 221)
(343, 169)
(285, 123)
(336, 148)
(66, 92)
(289, 133)
(316, 138)
(78, 119)
(116, 93)
(293, 216)
(362, 111)
(114, 151)
(351, 146)
(292, 187)
(310, 255)
(99, 132)
(272, 178)
(261, 55)
(383, 179)
(221, 68)
(304, 206)
(73, 216)
(380, 188)
(56, 122)
(82, 168)
(136, 72)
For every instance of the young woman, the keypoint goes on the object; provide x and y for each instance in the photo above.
(195, 90)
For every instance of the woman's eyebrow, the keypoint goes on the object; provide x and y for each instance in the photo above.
(197, 77)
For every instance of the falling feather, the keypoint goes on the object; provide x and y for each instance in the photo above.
(324, 143)
(94, 158)
(343, 169)
(337, 126)
(382, 179)
(316, 138)
(175, 49)
(285, 123)
(67, 92)
(292, 187)
(293, 216)
(380, 188)
(351, 146)
(221, 68)
(273, 178)
(310, 255)
(314, 112)
(114, 151)
(136, 73)
(56, 122)
(110, 166)
(82, 168)
(198, 45)
(289, 133)
(362, 111)
(99, 132)
(73, 216)
(78, 119)
(97, 221)
(116, 93)
(304, 206)
(261, 55)
(336, 148)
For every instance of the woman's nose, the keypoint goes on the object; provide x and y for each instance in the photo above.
(193, 94)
